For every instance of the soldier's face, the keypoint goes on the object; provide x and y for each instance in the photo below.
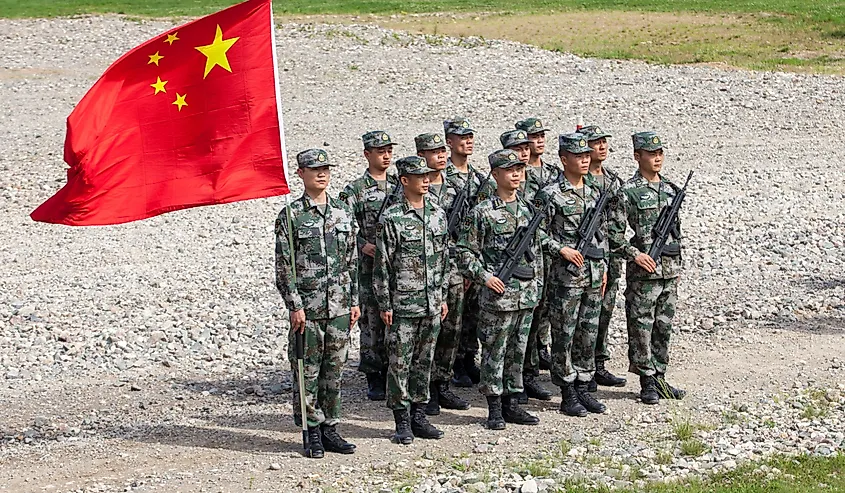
(435, 158)
(316, 179)
(509, 179)
(599, 149)
(461, 144)
(538, 143)
(649, 160)
(523, 151)
(379, 157)
(416, 184)
(575, 163)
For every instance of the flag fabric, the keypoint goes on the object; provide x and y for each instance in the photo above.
(189, 118)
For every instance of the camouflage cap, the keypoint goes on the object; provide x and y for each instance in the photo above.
(594, 132)
(648, 141)
(504, 158)
(513, 138)
(531, 126)
(412, 165)
(427, 142)
(458, 126)
(576, 143)
(376, 138)
(313, 158)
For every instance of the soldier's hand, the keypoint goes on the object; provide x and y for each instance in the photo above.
(444, 310)
(354, 315)
(467, 284)
(369, 249)
(646, 262)
(573, 256)
(387, 318)
(495, 284)
(297, 321)
(603, 284)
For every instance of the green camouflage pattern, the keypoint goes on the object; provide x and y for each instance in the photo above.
(647, 141)
(539, 177)
(594, 132)
(376, 138)
(469, 322)
(457, 126)
(428, 142)
(411, 273)
(531, 125)
(574, 314)
(325, 353)
(313, 158)
(503, 336)
(326, 257)
(513, 138)
(504, 158)
(410, 344)
(649, 309)
(576, 143)
(638, 205)
(411, 165)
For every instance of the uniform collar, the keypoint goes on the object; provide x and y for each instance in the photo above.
(407, 207)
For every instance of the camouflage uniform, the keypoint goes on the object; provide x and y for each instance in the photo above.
(326, 288)
(650, 298)
(411, 279)
(365, 196)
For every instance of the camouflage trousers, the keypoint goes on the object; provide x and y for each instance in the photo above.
(373, 353)
(539, 336)
(325, 352)
(449, 338)
(608, 303)
(410, 344)
(469, 322)
(649, 308)
(504, 337)
(574, 314)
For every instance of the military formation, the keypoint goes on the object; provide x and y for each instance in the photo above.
(462, 278)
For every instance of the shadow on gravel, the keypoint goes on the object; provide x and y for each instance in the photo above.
(820, 283)
(211, 438)
(284, 423)
(824, 325)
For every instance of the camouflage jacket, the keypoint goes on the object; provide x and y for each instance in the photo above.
(487, 230)
(364, 197)
(612, 183)
(566, 209)
(326, 258)
(638, 204)
(537, 177)
(444, 200)
(411, 265)
(458, 180)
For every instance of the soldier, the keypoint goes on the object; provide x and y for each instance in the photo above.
(506, 309)
(365, 196)
(606, 179)
(517, 141)
(460, 137)
(652, 284)
(323, 302)
(410, 281)
(432, 148)
(538, 173)
(574, 299)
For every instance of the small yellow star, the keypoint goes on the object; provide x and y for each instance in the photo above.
(215, 53)
(180, 101)
(154, 58)
(171, 38)
(159, 85)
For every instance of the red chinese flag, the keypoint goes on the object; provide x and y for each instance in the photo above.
(189, 118)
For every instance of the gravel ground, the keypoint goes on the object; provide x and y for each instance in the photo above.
(151, 356)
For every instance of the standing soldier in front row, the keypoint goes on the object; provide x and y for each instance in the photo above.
(323, 300)
(606, 179)
(365, 196)
(652, 284)
(506, 309)
(410, 281)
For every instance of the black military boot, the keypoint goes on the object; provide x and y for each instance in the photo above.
(533, 389)
(570, 405)
(403, 427)
(521, 397)
(472, 370)
(315, 443)
(607, 379)
(587, 400)
(449, 399)
(666, 391)
(592, 386)
(433, 406)
(545, 358)
(648, 390)
(375, 387)
(515, 414)
(420, 426)
(495, 421)
(460, 379)
(333, 442)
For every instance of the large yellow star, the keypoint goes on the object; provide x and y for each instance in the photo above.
(154, 58)
(171, 38)
(159, 85)
(216, 52)
(180, 101)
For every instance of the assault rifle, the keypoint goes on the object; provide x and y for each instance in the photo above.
(462, 203)
(667, 224)
(587, 230)
(389, 199)
(518, 247)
